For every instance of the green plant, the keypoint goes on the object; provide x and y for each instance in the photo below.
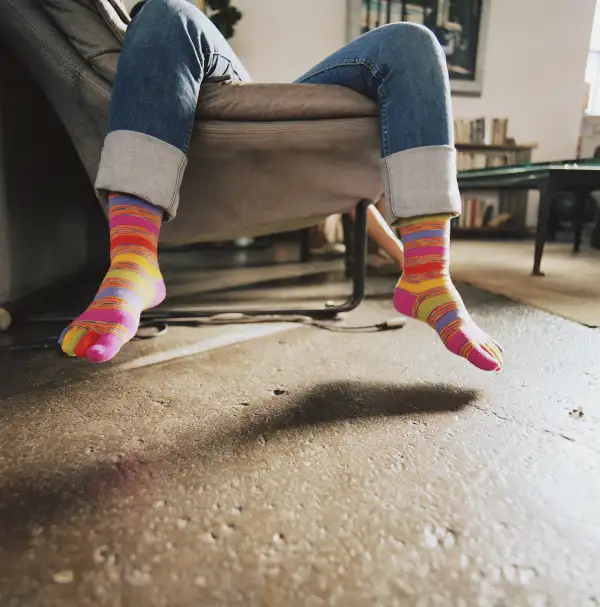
(222, 14)
(225, 16)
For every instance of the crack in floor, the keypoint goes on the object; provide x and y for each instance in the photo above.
(532, 427)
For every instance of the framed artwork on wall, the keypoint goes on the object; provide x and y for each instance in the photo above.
(459, 25)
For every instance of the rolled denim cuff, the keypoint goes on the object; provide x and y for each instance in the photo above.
(421, 181)
(142, 166)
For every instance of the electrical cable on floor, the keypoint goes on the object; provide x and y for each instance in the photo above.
(161, 325)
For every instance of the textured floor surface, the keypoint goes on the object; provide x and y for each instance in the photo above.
(571, 287)
(306, 468)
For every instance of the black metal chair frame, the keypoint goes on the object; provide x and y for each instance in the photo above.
(356, 260)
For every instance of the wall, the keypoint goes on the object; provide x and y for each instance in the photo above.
(534, 75)
(278, 40)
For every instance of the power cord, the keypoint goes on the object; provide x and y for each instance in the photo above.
(160, 327)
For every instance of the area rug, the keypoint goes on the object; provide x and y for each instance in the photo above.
(570, 288)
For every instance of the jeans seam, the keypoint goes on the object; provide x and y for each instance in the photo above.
(188, 135)
(342, 62)
(177, 185)
(384, 121)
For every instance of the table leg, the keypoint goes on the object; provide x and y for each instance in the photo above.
(595, 240)
(305, 254)
(547, 193)
(582, 198)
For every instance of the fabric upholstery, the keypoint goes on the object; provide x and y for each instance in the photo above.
(274, 102)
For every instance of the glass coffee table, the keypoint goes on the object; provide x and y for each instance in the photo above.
(581, 177)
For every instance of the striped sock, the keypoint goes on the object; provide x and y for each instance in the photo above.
(133, 283)
(426, 292)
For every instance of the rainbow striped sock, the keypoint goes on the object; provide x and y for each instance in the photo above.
(425, 292)
(133, 283)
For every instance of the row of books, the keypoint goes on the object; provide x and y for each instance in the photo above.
(481, 131)
(476, 213)
(466, 161)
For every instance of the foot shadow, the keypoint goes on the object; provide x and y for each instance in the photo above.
(334, 402)
(54, 497)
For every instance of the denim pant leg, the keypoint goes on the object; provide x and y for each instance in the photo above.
(402, 67)
(169, 49)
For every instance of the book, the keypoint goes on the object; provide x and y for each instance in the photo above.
(481, 131)
(476, 213)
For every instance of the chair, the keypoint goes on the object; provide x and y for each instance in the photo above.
(264, 158)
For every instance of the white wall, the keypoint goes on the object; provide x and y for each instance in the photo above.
(535, 72)
(278, 40)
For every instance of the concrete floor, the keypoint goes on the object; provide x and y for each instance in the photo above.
(306, 468)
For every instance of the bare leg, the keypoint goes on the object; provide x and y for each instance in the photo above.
(381, 232)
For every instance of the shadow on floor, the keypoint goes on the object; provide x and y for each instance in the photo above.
(56, 497)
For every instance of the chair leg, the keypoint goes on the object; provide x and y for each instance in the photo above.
(359, 256)
(305, 255)
(348, 229)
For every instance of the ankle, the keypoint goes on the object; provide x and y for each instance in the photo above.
(136, 257)
(424, 275)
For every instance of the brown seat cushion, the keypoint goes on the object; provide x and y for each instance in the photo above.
(276, 102)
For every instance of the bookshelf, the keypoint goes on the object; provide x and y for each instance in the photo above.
(486, 214)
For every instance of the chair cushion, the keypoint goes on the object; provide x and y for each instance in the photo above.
(276, 102)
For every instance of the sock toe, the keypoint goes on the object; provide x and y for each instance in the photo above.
(483, 360)
(85, 343)
(497, 345)
(491, 348)
(105, 348)
(63, 335)
(71, 340)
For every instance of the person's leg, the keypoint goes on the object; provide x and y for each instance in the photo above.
(169, 49)
(402, 66)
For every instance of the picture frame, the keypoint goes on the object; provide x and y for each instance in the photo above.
(464, 42)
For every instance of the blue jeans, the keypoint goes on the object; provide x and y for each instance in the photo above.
(171, 47)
